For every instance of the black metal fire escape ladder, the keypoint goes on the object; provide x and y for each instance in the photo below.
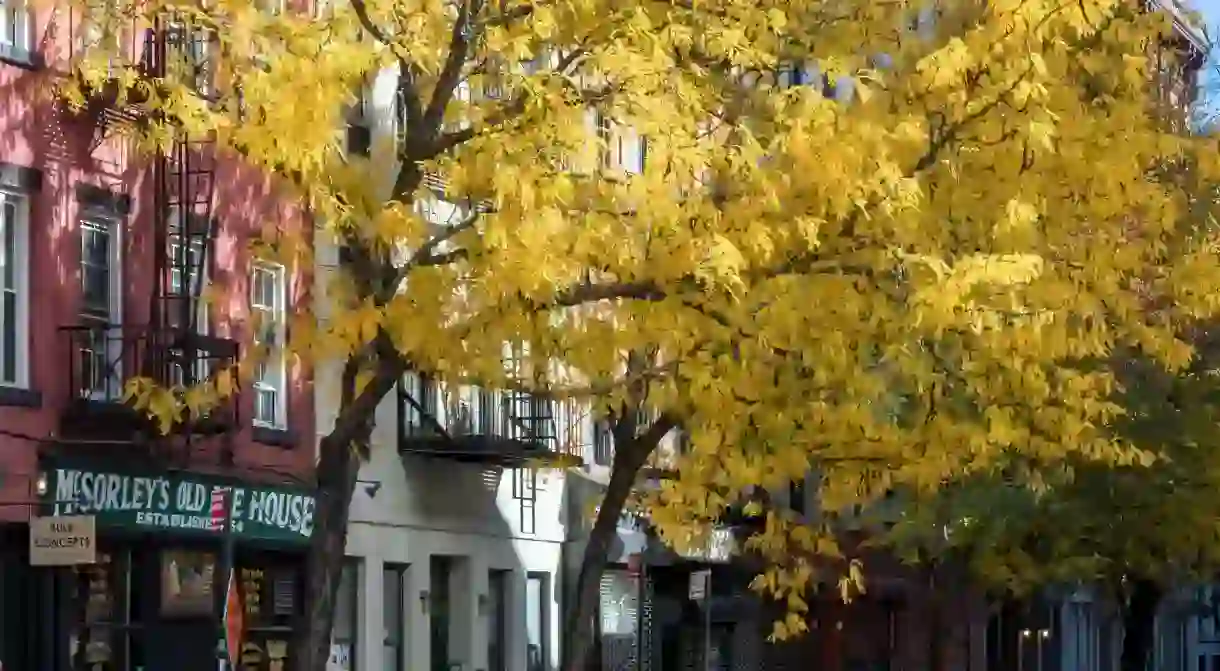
(184, 229)
(531, 419)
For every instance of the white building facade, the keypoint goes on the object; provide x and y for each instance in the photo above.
(455, 557)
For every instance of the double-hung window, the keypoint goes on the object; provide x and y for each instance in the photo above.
(14, 289)
(268, 296)
(101, 347)
(16, 29)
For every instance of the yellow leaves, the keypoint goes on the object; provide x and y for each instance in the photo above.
(167, 407)
(891, 289)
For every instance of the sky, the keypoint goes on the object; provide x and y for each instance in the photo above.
(1210, 77)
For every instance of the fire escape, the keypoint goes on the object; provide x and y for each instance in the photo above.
(500, 429)
(174, 347)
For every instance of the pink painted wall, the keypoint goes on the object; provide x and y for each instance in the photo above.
(37, 132)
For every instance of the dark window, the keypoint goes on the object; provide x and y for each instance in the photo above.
(270, 586)
(441, 572)
(394, 582)
(497, 619)
(603, 443)
(537, 617)
(359, 139)
(110, 615)
(796, 496)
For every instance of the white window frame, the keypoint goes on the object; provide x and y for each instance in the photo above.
(275, 366)
(16, 27)
(112, 223)
(20, 222)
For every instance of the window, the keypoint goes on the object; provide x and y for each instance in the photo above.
(14, 289)
(16, 29)
(497, 620)
(343, 633)
(188, 275)
(359, 138)
(537, 612)
(270, 584)
(796, 496)
(186, 582)
(101, 346)
(394, 582)
(268, 296)
(440, 579)
(603, 443)
(107, 628)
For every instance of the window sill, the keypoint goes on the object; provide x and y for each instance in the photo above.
(274, 437)
(17, 397)
(26, 60)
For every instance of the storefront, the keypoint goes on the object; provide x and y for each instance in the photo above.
(153, 599)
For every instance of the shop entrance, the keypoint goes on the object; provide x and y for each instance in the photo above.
(146, 607)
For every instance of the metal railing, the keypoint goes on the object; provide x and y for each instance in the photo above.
(102, 358)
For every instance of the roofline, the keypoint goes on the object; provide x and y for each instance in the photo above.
(1188, 28)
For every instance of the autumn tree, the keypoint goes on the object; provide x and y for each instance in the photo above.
(854, 233)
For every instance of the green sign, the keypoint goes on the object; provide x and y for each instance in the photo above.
(180, 502)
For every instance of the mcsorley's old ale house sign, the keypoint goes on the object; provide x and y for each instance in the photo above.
(180, 502)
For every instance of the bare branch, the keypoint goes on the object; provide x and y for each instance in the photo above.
(652, 435)
(451, 75)
(362, 13)
(426, 256)
(591, 292)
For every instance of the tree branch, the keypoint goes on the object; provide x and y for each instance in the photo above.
(459, 50)
(354, 415)
(507, 112)
(425, 256)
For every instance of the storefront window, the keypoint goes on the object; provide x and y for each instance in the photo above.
(187, 577)
(270, 588)
(106, 636)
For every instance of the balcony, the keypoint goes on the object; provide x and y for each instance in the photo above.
(490, 428)
(102, 358)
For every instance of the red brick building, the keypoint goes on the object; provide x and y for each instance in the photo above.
(106, 257)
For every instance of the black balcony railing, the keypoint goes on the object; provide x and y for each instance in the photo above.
(102, 358)
(504, 428)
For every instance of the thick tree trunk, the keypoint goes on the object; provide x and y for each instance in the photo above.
(339, 457)
(338, 467)
(936, 634)
(580, 646)
(1139, 624)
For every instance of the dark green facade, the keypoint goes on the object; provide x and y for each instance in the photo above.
(176, 502)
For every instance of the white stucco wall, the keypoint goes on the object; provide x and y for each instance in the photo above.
(408, 510)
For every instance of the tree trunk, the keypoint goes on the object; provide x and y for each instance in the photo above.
(1139, 624)
(936, 634)
(627, 463)
(339, 458)
(338, 467)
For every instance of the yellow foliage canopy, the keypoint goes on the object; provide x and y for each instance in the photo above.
(863, 237)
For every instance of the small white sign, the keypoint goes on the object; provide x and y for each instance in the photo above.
(340, 657)
(700, 584)
(66, 540)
